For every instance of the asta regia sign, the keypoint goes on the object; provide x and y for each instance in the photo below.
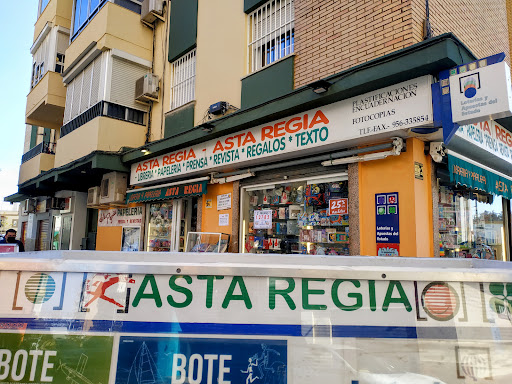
(379, 114)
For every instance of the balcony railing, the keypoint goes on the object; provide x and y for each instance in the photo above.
(43, 147)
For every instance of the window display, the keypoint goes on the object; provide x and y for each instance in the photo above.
(207, 242)
(471, 225)
(297, 217)
(159, 227)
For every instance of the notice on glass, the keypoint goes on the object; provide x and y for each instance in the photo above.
(263, 219)
(224, 220)
(224, 201)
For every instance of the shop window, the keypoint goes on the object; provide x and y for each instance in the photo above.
(471, 225)
(306, 217)
(271, 33)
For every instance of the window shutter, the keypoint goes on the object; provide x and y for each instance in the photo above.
(96, 77)
(86, 89)
(124, 76)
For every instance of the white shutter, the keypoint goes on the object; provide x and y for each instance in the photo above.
(124, 76)
(86, 89)
(77, 90)
(96, 77)
(69, 98)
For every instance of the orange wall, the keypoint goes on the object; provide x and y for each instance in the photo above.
(109, 238)
(210, 218)
(396, 174)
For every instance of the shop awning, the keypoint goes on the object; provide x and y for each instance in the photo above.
(167, 192)
(478, 177)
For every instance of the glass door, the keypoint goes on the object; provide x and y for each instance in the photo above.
(159, 224)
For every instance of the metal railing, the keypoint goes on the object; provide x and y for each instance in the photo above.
(43, 147)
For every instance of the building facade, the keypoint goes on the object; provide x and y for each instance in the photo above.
(278, 126)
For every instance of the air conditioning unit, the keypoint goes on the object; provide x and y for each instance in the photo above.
(151, 10)
(146, 88)
(219, 108)
(113, 188)
(57, 203)
(93, 196)
(29, 206)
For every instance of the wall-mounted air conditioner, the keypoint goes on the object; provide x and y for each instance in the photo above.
(113, 188)
(146, 88)
(29, 206)
(93, 196)
(152, 10)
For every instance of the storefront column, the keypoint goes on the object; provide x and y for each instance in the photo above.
(235, 222)
(353, 209)
(435, 209)
(396, 174)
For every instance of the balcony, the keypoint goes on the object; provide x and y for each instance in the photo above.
(38, 159)
(112, 27)
(46, 101)
(57, 12)
(97, 132)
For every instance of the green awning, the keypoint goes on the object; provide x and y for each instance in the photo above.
(16, 197)
(168, 192)
(473, 176)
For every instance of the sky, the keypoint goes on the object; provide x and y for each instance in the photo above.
(17, 27)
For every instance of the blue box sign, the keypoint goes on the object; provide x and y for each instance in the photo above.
(177, 360)
(387, 218)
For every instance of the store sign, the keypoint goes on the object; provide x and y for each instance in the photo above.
(387, 218)
(263, 219)
(167, 193)
(352, 121)
(489, 136)
(120, 217)
(480, 94)
(388, 250)
(338, 206)
(473, 176)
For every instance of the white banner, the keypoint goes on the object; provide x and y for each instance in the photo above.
(379, 113)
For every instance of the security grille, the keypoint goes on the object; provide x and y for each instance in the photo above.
(271, 33)
(183, 80)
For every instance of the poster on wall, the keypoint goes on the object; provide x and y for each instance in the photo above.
(131, 239)
(387, 222)
(263, 219)
(224, 201)
(201, 360)
(224, 220)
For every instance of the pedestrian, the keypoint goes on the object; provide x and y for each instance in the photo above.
(10, 238)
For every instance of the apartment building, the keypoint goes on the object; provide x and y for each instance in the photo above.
(278, 126)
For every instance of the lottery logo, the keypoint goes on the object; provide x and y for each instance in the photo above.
(39, 288)
(440, 301)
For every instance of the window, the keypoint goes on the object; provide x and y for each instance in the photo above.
(183, 80)
(84, 11)
(59, 64)
(271, 33)
(42, 5)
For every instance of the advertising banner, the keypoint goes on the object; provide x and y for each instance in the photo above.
(48, 358)
(379, 113)
(387, 218)
(200, 360)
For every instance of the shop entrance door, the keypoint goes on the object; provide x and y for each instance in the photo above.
(168, 223)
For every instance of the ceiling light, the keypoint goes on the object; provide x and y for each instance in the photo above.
(145, 151)
(319, 86)
(229, 179)
(207, 127)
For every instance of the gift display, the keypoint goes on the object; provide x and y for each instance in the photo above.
(300, 220)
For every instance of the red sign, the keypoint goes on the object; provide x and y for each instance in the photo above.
(388, 249)
(8, 248)
(338, 207)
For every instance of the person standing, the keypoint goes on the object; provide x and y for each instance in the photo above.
(10, 238)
